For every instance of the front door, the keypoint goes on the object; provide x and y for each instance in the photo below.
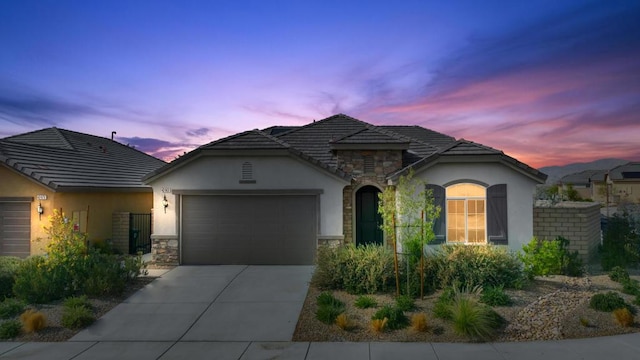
(368, 220)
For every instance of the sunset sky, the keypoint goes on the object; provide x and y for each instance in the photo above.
(548, 82)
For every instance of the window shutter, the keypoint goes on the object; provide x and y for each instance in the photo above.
(497, 214)
(440, 225)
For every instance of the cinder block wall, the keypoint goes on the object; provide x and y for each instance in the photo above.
(577, 221)
(120, 231)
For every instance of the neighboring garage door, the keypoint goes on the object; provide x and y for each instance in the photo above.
(15, 228)
(249, 229)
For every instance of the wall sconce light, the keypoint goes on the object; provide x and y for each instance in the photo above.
(165, 203)
(40, 211)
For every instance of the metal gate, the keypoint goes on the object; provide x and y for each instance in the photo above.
(139, 233)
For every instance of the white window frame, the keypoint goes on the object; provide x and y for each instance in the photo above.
(466, 215)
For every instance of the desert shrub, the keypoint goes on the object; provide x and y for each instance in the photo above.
(77, 317)
(624, 317)
(618, 274)
(33, 321)
(11, 307)
(584, 322)
(471, 266)
(8, 267)
(631, 287)
(379, 325)
(10, 329)
(419, 322)
(495, 296)
(326, 298)
(607, 302)
(543, 258)
(363, 269)
(71, 268)
(636, 301)
(405, 303)
(442, 306)
(620, 243)
(328, 308)
(365, 302)
(38, 282)
(344, 322)
(396, 319)
(473, 319)
(77, 301)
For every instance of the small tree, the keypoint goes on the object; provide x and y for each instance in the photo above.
(408, 213)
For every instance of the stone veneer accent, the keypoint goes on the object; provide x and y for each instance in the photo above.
(165, 250)
(120, 231)
(577, 221)
(385, 162)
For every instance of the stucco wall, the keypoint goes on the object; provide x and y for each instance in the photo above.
(270, 173)
(97, 206)
(520, 190)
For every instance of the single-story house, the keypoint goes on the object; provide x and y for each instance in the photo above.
(623, 184)
(582, 182)
(272, 196)
(87, 177)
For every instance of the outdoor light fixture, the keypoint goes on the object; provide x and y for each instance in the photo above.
(165, 203)
(40, 210)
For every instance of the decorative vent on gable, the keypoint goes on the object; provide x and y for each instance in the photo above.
(369, 165)
(247, 173)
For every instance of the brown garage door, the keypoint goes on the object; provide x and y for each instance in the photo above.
(15, 228)
(248, 229)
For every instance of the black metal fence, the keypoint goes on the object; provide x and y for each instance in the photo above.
(139, 233)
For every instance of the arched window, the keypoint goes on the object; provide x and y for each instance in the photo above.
(466, 213)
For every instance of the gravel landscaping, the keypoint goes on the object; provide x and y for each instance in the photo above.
(551, 308)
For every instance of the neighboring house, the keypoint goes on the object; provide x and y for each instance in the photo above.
(582, 182)
(619, 184)
(272, 196)
(86, 177)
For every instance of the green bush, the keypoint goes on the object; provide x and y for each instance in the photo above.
(77, 317)
(631, 287)
(37, 281)
(328, 308)
(620, 244)
(10, 329)
(327, 299)
(405, 303)
(364, 269)
(442, 306)
(396, 319)
(70, 268)
(618, 274)
(365, 302)
(543, 258)
(607, 302)
(11, 307)
(77, 301)
(8, 267)
(471, 266)
(495, 296)
(472, 319)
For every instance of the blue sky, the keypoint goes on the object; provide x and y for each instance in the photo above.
(548, 82)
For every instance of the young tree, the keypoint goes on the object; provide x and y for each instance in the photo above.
(408, 214)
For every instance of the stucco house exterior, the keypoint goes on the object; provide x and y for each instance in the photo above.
(623, 184)
(272, 196)
(87, 177)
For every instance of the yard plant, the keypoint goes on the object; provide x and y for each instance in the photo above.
(550, 257)
(70, 268)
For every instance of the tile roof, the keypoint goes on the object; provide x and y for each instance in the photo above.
(583, 177)
(68, 161)
(316, 142)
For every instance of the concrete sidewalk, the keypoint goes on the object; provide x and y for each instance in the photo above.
(250, 312)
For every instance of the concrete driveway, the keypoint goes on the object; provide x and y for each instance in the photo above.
(209, 303)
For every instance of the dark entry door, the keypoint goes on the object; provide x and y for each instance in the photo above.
(368, 220)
